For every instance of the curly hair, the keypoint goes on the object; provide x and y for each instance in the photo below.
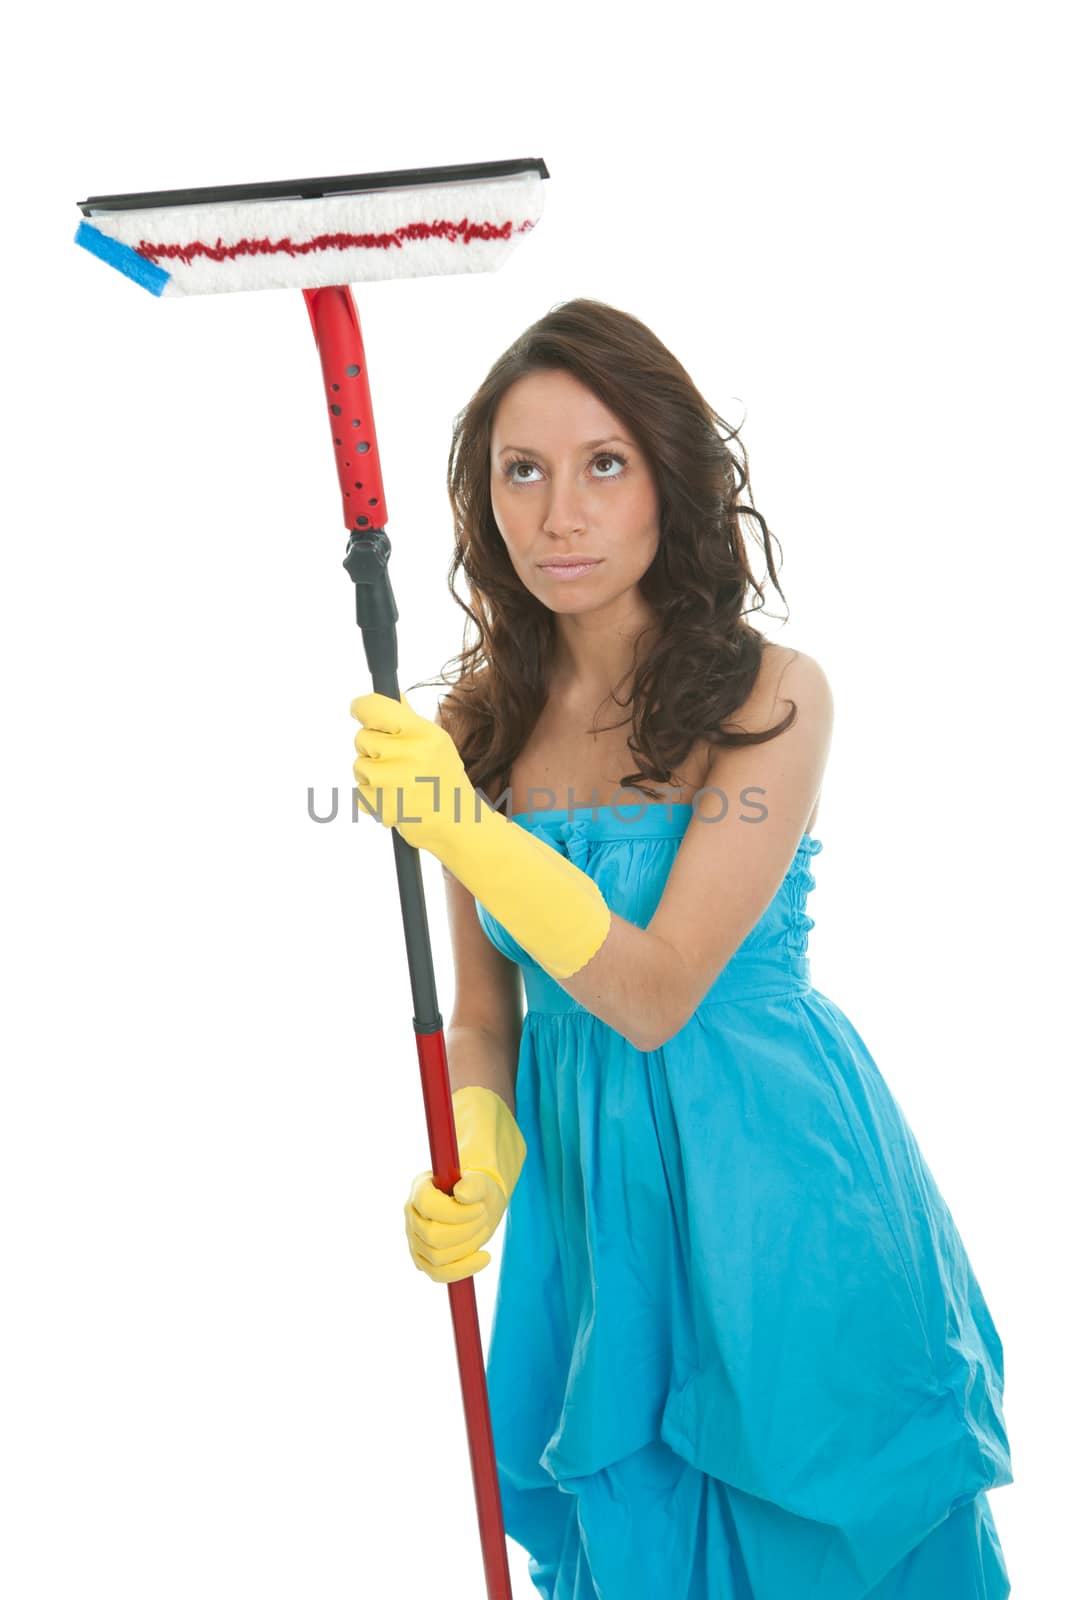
(703, 658)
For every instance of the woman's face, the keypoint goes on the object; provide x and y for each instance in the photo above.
(566, 479)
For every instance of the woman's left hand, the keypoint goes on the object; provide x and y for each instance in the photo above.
(416, 767)
(553, 909)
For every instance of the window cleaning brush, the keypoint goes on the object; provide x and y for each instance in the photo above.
(319, 235)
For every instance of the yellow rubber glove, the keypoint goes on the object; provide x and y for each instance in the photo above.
(410, 770)
(445, 1231)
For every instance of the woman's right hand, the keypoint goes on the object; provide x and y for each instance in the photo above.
(446, 1231)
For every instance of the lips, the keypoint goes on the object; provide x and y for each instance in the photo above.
(573, 561)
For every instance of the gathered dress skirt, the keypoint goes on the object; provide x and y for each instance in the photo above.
(738, 1351)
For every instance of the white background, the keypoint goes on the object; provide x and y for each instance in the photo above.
(222, 1375)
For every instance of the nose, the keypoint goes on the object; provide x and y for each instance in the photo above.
(564, 514)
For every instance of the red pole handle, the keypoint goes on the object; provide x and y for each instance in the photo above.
(335, 321)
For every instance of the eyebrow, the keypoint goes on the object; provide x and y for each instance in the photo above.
(590, 444)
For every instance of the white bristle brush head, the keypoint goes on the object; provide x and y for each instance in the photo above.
(357, 237)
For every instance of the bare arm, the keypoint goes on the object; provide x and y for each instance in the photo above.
(646, 983)
(479, 1058)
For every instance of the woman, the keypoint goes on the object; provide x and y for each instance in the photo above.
(738, 1350)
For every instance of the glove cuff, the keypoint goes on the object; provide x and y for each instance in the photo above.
(552, 908)
(488, 1135)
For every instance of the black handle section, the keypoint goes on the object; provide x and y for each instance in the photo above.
(367, 564)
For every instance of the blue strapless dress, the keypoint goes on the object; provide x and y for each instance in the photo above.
(738, 1351)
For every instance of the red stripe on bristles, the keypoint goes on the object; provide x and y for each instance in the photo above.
(463, 231)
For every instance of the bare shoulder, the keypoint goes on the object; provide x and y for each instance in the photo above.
(786, 676)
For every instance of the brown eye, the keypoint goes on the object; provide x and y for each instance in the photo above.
(511, 470)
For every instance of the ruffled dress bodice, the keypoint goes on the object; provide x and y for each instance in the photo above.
(630, 853)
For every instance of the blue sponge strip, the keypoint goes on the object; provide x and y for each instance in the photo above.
(146, 273)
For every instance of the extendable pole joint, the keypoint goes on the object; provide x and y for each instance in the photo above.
(367, 564)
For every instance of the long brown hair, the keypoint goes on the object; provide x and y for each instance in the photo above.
(703, 658)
